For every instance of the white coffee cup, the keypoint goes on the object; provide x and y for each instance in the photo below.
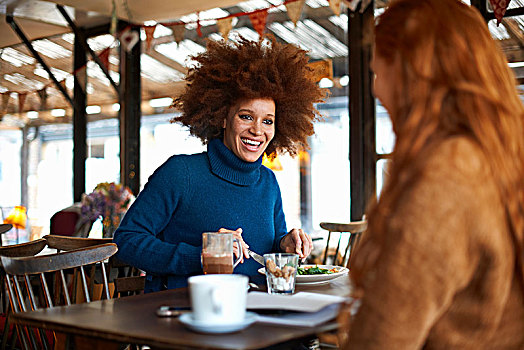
(218, 299)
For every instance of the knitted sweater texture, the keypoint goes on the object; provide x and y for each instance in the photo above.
(190, 194)
(445, 273)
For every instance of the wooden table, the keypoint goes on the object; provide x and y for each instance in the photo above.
(133, 320)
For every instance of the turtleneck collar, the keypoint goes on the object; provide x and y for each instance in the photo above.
(226, 165)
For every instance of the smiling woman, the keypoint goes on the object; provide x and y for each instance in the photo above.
(242, 99)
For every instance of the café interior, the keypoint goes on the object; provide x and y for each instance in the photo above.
(87, 89)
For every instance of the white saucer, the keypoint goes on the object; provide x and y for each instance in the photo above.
(189, 322)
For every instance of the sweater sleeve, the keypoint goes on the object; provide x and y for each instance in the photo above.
(138, 238)
(279, 220)
(425, 260)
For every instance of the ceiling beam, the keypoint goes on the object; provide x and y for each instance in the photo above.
(164, 59)
(514, 30)
(319, 15)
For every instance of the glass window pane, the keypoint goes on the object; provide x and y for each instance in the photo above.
(382, 173)
(103, 152)
(10, 146)
(385, 138)
(330, 175)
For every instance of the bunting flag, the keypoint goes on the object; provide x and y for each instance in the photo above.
(150, 31)
(129, 38)
(294, 10)
(199, 26)
(21, 101)
(321, 69)
(499, 8)
(178, 32)
(63, 84)
(42, 94)
(224, 26)
(335, 6)
(352, 4)
(104, 57)
(258, 20)
(81, 77)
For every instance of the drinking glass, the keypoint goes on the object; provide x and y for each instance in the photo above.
(281, 271)
(217, 252)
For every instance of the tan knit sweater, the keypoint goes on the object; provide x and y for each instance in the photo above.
(445, 277)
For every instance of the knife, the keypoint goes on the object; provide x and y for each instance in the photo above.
(258, 258)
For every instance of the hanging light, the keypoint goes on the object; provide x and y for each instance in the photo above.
(18, 218)
(273, 164)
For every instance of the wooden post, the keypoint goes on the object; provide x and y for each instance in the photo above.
(79, 120)
(362, 153)
(130, 113)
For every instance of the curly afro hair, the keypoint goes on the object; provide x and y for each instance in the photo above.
(230, 71)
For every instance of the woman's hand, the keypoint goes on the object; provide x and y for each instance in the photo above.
(238, 235)
(297, 241)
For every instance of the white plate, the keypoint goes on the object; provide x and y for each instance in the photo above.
(302, 279)
(189, 322)
(311, 283)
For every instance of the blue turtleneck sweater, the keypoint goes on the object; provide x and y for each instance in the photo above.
(189, 194)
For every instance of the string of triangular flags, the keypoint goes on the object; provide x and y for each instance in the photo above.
(129, 38)
(42, 93)
(258, 18)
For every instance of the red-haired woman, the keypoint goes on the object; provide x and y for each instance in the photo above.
(441, 264)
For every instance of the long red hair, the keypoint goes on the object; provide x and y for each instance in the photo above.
(453, 80)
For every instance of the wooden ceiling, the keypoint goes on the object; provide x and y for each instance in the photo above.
(163, 65)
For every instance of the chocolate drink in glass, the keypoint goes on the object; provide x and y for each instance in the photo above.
(217, 263)
(217, 253)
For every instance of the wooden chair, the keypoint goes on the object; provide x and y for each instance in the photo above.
(23, 249)
(351, 232)
(66, 243)
(128, 281)
(126, 286)
(68, 222)
(3, 229)
(16, 250)
(24, 297)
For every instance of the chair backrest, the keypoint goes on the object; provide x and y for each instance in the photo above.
(126, 286)
(351, 233)
(5, 227)
(23, 249)
(35, 292)
(17, 250)
(64, 222)
(128, 280)
(66, 243)
(38, 265)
